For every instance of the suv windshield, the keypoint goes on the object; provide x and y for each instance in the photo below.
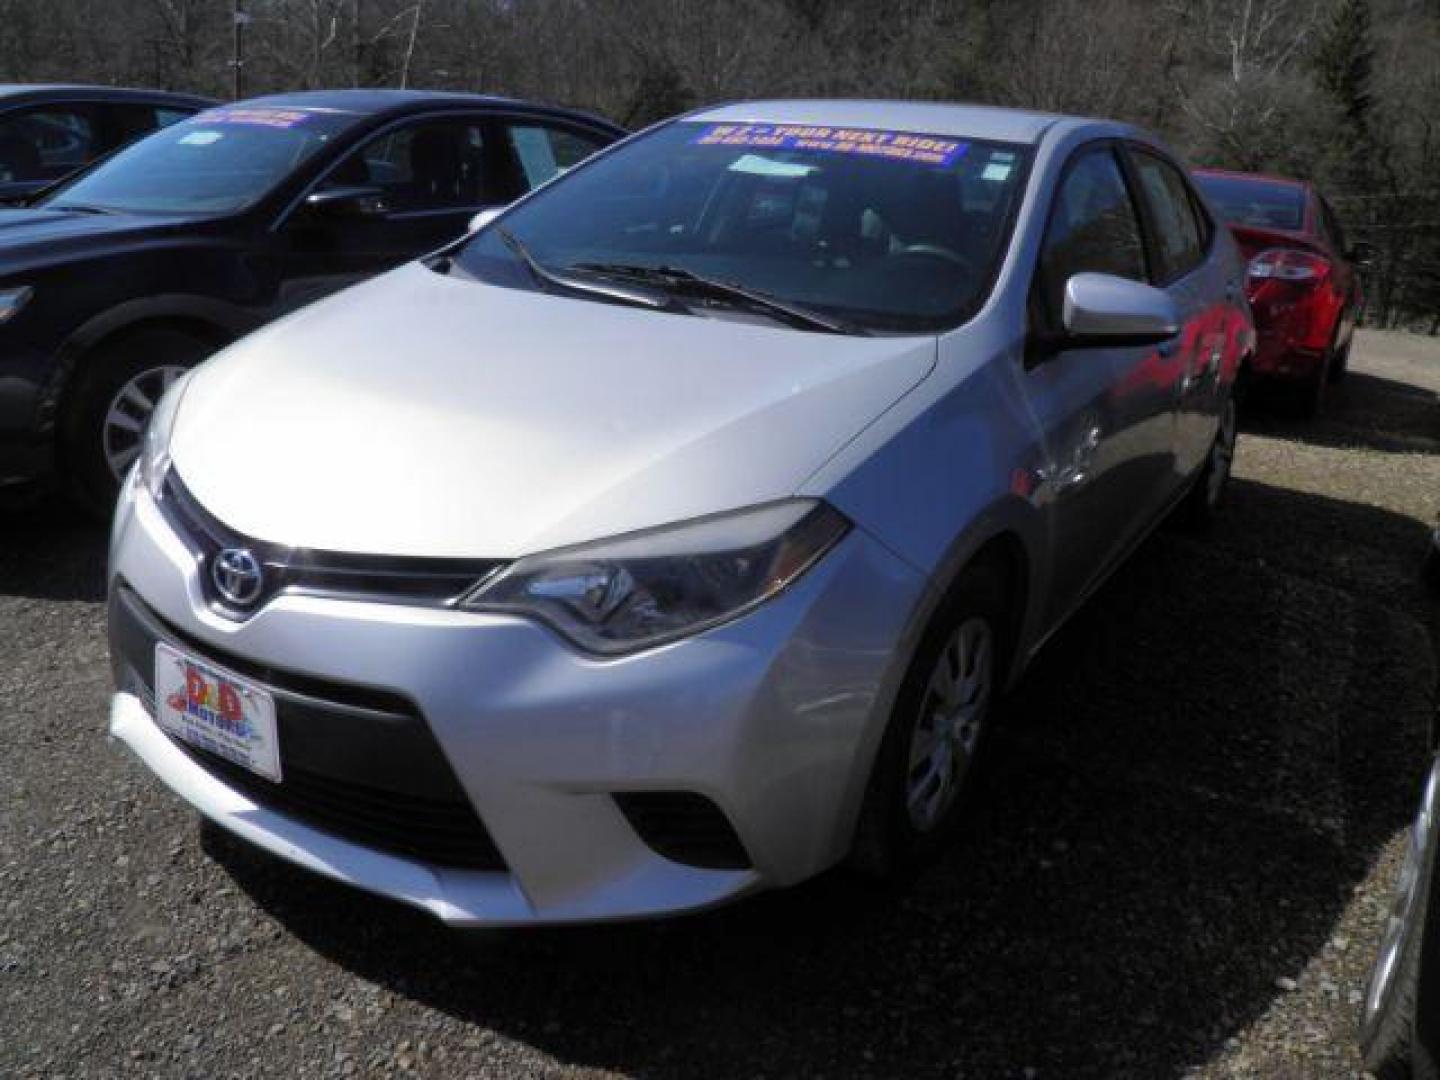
(220, 161)
(880, 230)
(1243, 201)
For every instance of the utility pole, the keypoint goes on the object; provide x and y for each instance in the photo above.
(237, 59)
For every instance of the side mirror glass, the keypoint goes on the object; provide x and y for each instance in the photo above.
(347, 202)
(484, 217)
(1101, 309)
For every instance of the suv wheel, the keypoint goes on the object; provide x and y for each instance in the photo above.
(119, 389)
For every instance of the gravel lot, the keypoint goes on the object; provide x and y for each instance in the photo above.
(1179, 866)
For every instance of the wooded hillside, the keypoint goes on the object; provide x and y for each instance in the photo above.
(1346, 92)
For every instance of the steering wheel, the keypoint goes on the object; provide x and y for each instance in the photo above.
(936, 251)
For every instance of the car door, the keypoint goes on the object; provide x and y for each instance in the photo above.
(425, 178)
(1181, 241)
(41, 143)
(1104, 412)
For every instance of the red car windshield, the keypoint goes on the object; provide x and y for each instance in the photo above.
(1244, 200)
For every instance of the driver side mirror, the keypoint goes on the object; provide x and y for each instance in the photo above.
(1101, 309)
(484, 217)
(348, 203)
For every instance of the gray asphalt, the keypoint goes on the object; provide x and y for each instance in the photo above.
(1178, 864)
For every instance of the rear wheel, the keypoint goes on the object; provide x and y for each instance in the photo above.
(1387, 1024)
(1203, 501)
(1340, 362)
(924, 773)
(118, 390)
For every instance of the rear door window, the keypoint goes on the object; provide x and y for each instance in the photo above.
(1093, 228)
(1179, 238)
(543, 152)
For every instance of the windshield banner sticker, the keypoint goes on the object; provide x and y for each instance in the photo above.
(277, 118)
(894, 145)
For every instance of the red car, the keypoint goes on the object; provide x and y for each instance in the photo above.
(1302, 281)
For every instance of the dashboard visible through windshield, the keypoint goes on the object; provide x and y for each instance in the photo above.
(886, 231)
(219, 162)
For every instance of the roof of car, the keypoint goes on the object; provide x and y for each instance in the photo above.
(931, 118)
(373, 101)
(1284, 181)
(40, 91)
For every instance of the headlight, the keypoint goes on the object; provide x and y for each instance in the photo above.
(639, 590)
(12, 300)
(155, 451)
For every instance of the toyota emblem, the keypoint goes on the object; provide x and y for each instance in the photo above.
(238, 576)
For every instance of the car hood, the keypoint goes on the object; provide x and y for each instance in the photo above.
(421, 414)
(30, 238)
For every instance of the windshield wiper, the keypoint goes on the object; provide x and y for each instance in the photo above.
(549, 279)
(682, 280)
(79, 208)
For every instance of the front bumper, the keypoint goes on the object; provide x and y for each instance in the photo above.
(774, 718)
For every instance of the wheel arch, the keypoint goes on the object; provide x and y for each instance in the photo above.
(209, 322)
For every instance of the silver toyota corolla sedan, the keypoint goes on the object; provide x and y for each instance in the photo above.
(673, 535)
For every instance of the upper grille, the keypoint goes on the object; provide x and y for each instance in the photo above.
(389, 579)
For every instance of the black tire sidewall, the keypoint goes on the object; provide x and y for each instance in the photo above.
(102, 373)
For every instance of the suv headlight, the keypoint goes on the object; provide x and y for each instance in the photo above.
(635, 591)
(155, 450)
(12, 300)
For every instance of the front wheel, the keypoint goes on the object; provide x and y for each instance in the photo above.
(924, 771)
(119, 387)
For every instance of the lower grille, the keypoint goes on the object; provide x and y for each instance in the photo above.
(441, 832)
(684, 827)
(357, 763)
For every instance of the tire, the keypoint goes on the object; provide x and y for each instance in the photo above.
(1388, 1016)
(1309, 397)
(1340, 363)
(119, 385)
(1203, 502)
(901, 829)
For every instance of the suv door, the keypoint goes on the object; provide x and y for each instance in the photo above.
(1105, 412)
(41, 143)
(1181, 241)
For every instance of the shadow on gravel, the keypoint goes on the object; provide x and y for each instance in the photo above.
(49, 551)
(1363, 411)
(1185, 790)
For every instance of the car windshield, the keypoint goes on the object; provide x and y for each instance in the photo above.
(884, 231)
(218, 162)
(1246, 201)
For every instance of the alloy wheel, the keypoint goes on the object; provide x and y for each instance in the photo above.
(947, 733)
(129, 413)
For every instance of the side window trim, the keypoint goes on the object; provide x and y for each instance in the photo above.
(1204, 227)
